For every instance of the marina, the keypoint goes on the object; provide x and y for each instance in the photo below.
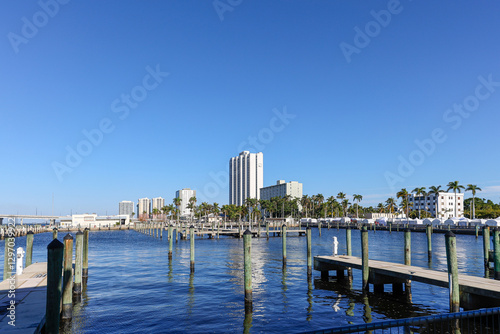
(132, 280)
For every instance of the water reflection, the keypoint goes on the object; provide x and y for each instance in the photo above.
(247, 322)
(284, 288)
(309, 298)
(190, 295)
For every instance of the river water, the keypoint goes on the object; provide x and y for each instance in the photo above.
(134, 288)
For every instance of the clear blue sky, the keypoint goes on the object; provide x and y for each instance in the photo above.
(359, 101)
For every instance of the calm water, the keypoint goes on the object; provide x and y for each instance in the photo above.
(133, 288)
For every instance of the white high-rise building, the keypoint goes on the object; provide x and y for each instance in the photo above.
(441, 205)
(157, 203)
(126, 208)
(143, 206)
(246, 177)
(185, 194)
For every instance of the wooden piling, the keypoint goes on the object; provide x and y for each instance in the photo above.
(54, 279)
(486, 246)
(191, 237)
(85, 255)
(348, 241)
(247, 264)
(407, 247)
(267, 230)
(451, 258)
(161, 230)
(309, 251)
(77, 288)
(29, 248)
(283, 242)
(477, 231)
(170, 241)
(390, 227)
(428, 230)
(54, 233)
(8, 255)
(319, 228)
(364, 258)
(496, 250)
(67, 301)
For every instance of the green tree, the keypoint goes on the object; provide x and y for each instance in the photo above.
(418, 192)
(455, 186)
(403, 194)
(192, 206)
(357, 198)
(473, 189)
(177, 202)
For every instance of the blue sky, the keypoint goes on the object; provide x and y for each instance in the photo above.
(337, 93)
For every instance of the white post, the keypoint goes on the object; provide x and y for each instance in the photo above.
(19, 261)
(335, 246)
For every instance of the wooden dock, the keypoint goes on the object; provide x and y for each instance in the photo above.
(30, 298)
(475, 291)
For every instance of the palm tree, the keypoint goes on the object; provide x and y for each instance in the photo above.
(357, 198)
(177, 202)
(418, 192)
(192, 206)
(455, 187)
(433, 190)
(391, 202)
(341, 197)
(403, 194)
(380, 207)
(473, 188)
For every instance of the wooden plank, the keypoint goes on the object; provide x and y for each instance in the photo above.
(470, 284)
(30, 297)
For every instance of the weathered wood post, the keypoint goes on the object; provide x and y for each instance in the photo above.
(29, 248)
(407, 257)
(67, 302)
(54, 233)
(390, 227)
(451, 258)
(267, 230)
(319, 228)
(77, 288)
(8, 255)
(191, 237)
(309, 251)
(170, 241)
(283, 239)
(477, 231)
(428, 230)
(161, 230)
(348, 241)
(247, 264)
(54, 279)
(486, 246)
(496, 249)
(364, 258)
(407, 247)
(85, 257)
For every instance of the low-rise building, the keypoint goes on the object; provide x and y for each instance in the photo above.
(93, 221)
(440, 205)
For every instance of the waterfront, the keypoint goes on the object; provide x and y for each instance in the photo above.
(132, 286)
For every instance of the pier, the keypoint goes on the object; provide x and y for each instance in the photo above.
(30, 291)
(475, 292)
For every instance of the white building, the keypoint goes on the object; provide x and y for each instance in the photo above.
(94, 221)
(441, 205)
(157, 203)
(126, 208)
(282, 189)
(246, 177)
(185, 194)
(143, 207)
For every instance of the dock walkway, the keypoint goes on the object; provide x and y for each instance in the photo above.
(30, 296)
(473, 289)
